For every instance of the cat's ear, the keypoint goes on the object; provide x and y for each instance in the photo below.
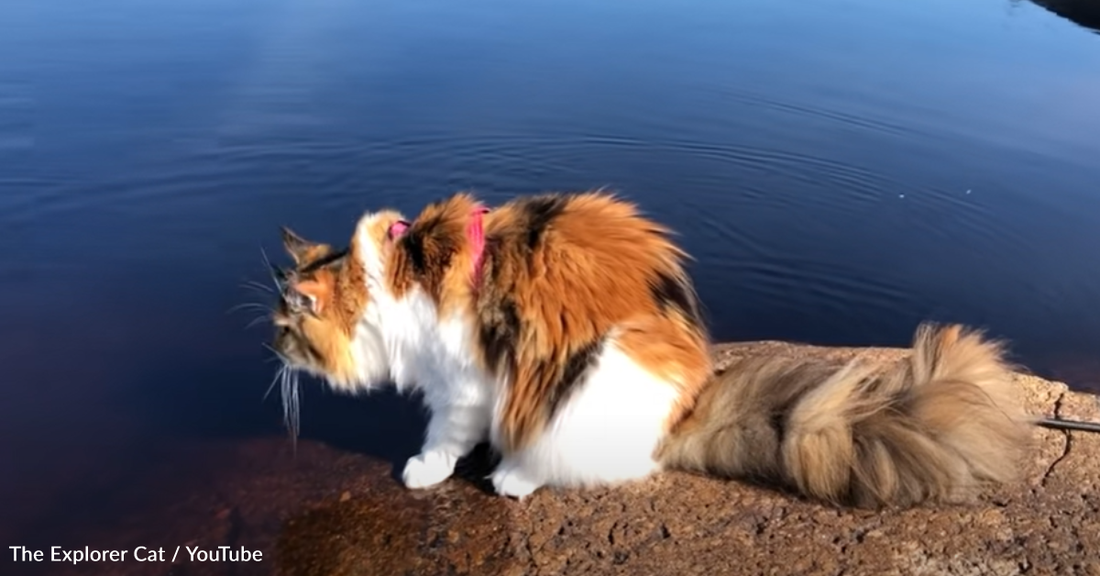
(397, 229)
(295, 245)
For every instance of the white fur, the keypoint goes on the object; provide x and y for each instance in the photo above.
(606, 433)
(419, 353)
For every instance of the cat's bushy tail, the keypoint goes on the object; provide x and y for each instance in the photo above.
(934, 427)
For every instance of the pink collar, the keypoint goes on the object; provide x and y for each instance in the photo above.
(476, 233)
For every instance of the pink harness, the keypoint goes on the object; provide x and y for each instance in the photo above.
(476, 233)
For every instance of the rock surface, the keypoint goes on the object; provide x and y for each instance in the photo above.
(338, 514)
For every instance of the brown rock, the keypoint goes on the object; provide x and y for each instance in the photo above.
(682, 524)
(323, 512)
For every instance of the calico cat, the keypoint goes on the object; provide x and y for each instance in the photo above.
(564, 329)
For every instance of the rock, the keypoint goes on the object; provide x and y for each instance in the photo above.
(319, 511)
(682, 524)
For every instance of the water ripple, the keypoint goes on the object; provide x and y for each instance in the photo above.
(817, 111)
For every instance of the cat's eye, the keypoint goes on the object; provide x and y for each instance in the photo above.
(298, 302)
(310, 302)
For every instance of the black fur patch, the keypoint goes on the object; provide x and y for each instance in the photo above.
(499, 333)
(414, 247)
(573, 374)
(430, 245)
(541, 211)
(677, 294)
(323, 261)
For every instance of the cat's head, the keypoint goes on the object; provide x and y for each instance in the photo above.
(334, 304)
(320, 320)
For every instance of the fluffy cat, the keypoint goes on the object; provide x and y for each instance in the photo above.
(564, 329)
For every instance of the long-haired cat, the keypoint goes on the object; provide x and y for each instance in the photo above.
(564, 329)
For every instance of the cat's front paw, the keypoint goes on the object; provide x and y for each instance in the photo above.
(428, 469)
(511, 482)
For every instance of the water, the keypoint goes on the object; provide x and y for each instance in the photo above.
(841, 170)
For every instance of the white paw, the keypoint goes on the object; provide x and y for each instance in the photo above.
(428, 469)
(511, 482)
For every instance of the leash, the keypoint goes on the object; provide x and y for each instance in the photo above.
(1060, 424)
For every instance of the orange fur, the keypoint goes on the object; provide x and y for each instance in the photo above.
(562, 276)
(319, 334)
(439, 232)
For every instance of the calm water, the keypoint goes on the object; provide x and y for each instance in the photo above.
(841, 169)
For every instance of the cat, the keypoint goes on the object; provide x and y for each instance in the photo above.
(564, 329)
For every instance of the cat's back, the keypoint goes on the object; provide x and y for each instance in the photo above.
(585, 233)
(586, 259)
(578, 280)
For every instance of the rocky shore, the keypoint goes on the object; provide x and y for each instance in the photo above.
(325, 512)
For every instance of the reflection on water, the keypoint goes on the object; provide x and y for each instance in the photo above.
(841, 169)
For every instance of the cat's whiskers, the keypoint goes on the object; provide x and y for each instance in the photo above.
(278, 374)
(273, 272)
(266, 312)
(259, 287)
(291, 417)
(287, 377)
(249, 306)
(256, 321)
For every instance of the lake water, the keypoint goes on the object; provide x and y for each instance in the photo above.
(841, 169)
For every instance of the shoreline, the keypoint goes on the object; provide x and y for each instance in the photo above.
(321, 511)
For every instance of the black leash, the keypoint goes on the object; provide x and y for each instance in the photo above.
(1059, 424)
